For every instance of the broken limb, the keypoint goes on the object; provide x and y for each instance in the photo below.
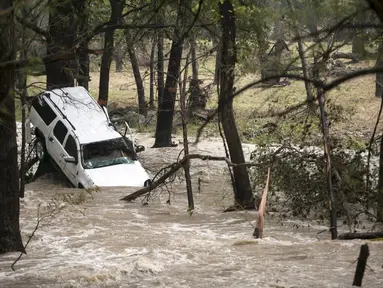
(260, 225)
(175, 167)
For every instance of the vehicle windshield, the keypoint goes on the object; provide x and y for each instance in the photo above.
(106, 153)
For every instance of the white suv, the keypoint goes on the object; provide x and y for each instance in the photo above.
(74, 131)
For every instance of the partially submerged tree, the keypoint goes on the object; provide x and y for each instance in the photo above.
(243, 193)
(167, 102)
(10, 237)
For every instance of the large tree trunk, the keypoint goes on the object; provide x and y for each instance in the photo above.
(379, 76)
(83, 77)
(151, 68)
(166, 104)
(243, 193)
(136, 73)
(106, 59)
(62, 30)
(160, 66)
(10, 237)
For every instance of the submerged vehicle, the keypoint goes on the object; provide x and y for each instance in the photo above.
(75, 134)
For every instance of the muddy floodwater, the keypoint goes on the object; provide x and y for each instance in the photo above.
(98, 241)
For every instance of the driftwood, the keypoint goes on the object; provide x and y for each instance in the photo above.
(339, 55)
(258, 231)
(361, 266)
(365, 235)
(175, 167)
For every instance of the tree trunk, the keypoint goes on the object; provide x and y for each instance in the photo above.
(358, 45)
(10, 237)
(306, 73)
(136, 73)
(359, 39)
(218, 57)
(151, 68)
(160, 66)
(379, 76)
(166, 105)
(62, 30)
(83, 77)
(380, 184)
(243, 193)
(106, 59)
(23, 98)
(119, 62)
(194, 58)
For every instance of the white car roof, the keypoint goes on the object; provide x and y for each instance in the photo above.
(84, 113)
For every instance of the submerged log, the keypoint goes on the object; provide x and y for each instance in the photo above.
(362, 235)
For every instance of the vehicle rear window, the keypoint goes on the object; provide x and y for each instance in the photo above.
(71, 147)
(60, 131)
(42, 108)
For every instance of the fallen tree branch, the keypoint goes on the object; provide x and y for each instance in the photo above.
(364, 235)
(260, 225)
(176, 166)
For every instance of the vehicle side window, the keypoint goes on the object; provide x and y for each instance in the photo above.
(43, 109)
(71, 147)
(60, 131)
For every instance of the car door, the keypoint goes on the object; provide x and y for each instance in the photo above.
(56, 149)
(72, 150)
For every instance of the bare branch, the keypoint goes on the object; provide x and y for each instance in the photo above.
(176, 166)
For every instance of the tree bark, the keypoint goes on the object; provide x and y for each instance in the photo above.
(306, 73)
(136, 73)
(116, 7)
(243, 193)
(62, 30)
(359, 39)
(166, 105)
(119, 62)
(83, 77)
(10, 237)
(218, 57)
(194, 58)
(379, 76)
(151, 69)
(160, 63)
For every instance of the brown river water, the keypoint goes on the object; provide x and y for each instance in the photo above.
(98, 241)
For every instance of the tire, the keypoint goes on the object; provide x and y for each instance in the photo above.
(41, 150)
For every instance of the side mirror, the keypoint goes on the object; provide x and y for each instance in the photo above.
(70, 159)
(140, 148)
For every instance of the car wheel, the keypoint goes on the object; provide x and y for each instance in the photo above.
(41, 151)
